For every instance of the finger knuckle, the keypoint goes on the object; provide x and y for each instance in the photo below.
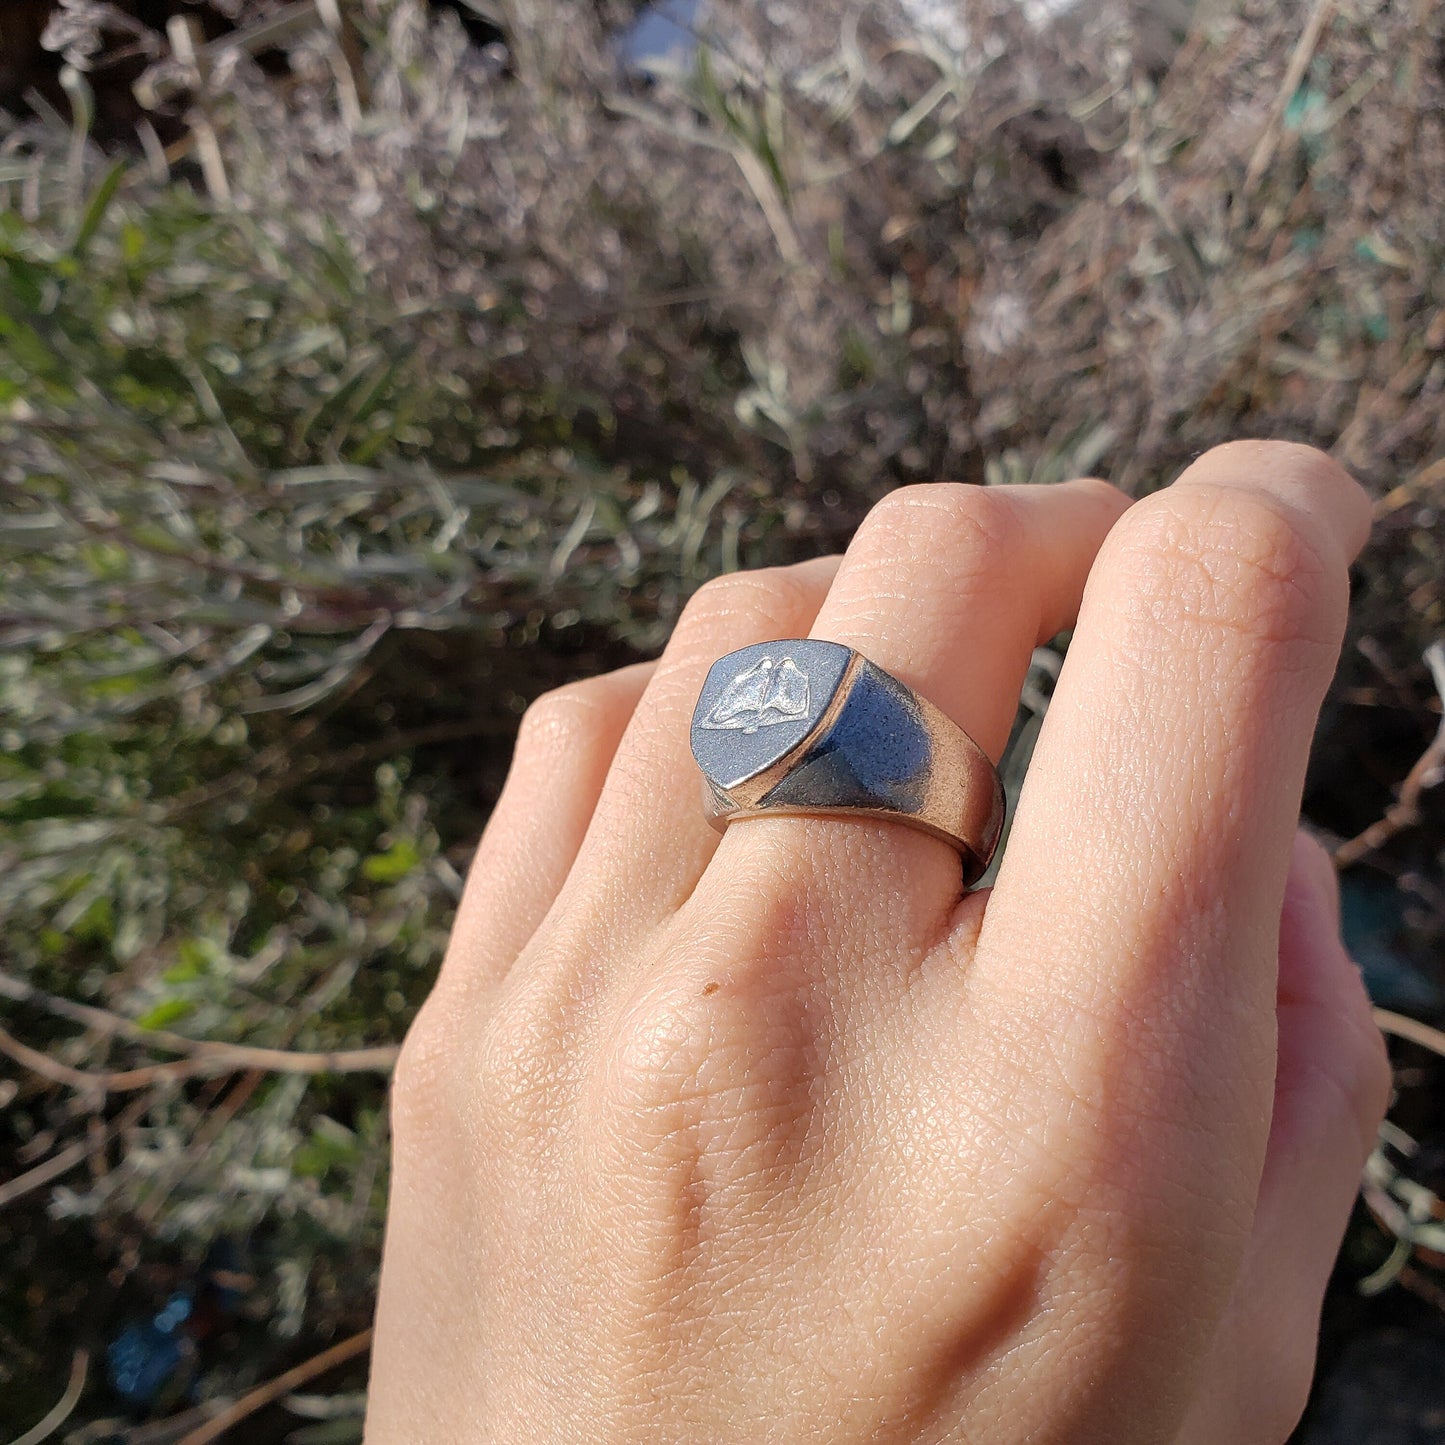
(767, 594)
(421, 1080)
(724, 1045)
(652, 1065)
(1104, 490)
(970, 528)
(1232, 560)
(694, 1120)
(514, 1063)
(1291, 461)
(564, 716)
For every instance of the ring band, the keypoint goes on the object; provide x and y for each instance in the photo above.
(808, 727)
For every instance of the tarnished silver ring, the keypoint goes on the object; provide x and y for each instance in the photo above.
(809, 727)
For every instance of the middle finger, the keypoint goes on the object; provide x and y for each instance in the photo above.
(949, 588)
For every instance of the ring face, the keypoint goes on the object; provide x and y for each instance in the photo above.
(808, 727)
(759, 703)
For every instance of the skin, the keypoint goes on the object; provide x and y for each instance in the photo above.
(780, 1136)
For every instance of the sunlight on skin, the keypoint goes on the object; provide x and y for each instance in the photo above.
(775, 1135)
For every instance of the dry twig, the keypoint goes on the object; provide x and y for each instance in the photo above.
(221, 1058)
(1412, 488)
(208, 1061)
(263, 1395)
(68, 1158)
(1409, 1212)
(1428, 771)
(1403, 1027)
(1294, 74)
(75, 1386)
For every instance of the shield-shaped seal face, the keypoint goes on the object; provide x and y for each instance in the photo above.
(759, 703)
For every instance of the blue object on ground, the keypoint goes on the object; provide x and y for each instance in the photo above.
(660, 32)
(144, 1357)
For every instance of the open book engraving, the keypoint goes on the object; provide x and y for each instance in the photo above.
(771, 691)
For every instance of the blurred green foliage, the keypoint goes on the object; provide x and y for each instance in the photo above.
(228, 549)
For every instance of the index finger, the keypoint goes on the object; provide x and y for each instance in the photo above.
(1131, 940)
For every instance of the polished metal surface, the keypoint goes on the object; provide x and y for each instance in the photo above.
(806, 727)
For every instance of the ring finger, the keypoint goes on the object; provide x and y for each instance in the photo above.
(949, 588)
(649, 841)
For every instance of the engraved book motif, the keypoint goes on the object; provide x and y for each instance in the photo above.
(770, 692)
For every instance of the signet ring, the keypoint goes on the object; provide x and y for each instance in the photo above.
(815, 728)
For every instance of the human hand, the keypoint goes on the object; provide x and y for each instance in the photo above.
(776, 1136)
